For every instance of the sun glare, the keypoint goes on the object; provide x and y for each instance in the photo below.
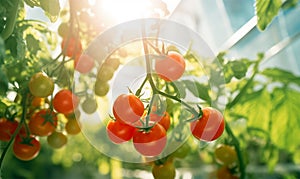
(121, 10)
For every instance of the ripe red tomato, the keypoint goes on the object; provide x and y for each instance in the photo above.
(40, 85)
(7, 128)
(71, 47)
(170, 68)
(84, 63)
(210, 126)
(225, 155)
(119, 132)
(26, 148)
(164, 171)
(163, 120)
(65, 101)
(128, 108)
(72, 127)
(43, 122)
(152, 142)
(57, 139)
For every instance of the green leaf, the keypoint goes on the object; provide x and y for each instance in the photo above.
(33, 44)
(255, 107)
(2, 109)
(289, 4)
(266, 10)
(51, 8)
(32, 3)
(285, 119)
(16, 46)
(181, 93)
(197, 89)
(280, 75)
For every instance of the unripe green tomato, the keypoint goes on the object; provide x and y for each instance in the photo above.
(63, 29)
(112, 62)
(57, 140)
(225, 155)
(101, 88)
(105, 73)
(165, 171)
(89, 105)
(40, 85)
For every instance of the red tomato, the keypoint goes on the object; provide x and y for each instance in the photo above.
(43, 122)
(84, 63)
(163, 120)
(65, 101)
(171, 67)
(119, 132)
(26, 148)
(7, 128)
(152, 142)
(128, 108)
(71, 47)
(210, 126)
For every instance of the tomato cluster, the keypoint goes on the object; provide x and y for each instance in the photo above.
(41, 119)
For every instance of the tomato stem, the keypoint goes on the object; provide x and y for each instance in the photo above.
(237, 148)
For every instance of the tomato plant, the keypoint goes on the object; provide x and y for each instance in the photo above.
(184, 80)
(128, 108)
(150, 142)
(26, 148)
(171, 67)
(119, 132)
(210, 126)
(40, 85)
(65, 101)
(57, 139)
(43, 122)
